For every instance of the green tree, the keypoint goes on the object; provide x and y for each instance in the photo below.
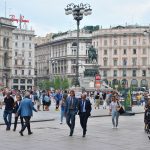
(65, 83)
(57, 83)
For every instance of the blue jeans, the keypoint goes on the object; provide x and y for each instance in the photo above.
(115, 116)
(7, 117)
(62, 115)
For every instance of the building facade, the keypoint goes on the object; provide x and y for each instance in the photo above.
(23, 59)
(6, 35)
(124, 55)
(58, 57)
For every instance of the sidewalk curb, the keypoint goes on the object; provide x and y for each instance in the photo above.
(34, 121)
(95, 116)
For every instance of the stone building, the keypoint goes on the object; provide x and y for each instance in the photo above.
(23, 59)
(58, 57)
(124, 55)
(6, 35)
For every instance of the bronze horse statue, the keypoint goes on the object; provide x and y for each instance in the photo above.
(92, 55)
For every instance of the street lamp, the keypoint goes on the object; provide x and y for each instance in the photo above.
(78, 11)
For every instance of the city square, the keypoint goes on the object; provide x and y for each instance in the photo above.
(74, 75)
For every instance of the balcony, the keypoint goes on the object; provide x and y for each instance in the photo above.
(129, 67)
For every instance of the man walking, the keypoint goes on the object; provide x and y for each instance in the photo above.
(71, 110)
(84, 112)
(9, 105)
(25, 111)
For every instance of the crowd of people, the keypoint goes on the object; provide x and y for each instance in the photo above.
(22, 104)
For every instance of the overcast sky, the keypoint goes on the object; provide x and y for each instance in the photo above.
(49, 16)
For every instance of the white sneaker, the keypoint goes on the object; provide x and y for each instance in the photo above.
(61, 123)
(117, 127)
(113, 127)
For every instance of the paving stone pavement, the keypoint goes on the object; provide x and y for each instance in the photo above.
(100, 135)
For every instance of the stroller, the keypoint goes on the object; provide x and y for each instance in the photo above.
(147, 121)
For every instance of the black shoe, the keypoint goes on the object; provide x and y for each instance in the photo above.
(149, 137)
(30, 133)
(8, 128)
(21, 133)
(14, 130)
(83, 135)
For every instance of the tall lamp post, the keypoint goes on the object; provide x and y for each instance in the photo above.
(78, 11)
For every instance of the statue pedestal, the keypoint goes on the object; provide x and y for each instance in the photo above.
(87, 77)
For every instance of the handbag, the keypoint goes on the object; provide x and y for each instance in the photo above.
(120, 109)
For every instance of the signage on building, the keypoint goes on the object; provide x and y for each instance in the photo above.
(97, 81)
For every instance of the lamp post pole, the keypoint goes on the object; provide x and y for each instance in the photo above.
(78, 11)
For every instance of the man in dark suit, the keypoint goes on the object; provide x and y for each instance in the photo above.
(71, 110)
(84, 112)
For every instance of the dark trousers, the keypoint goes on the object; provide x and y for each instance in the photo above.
(57, 104)
(7, 118)
(70, 119)
(83, 121)
(16, 121)
(27, 124)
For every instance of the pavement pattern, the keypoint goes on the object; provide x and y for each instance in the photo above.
(100, 135)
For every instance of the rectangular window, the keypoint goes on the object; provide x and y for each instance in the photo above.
(124, 62)
(134, 61)
(115, 62)
(16, 62)
(29, 63)
(22, 45)
(144, 42)
(134, 73)
(22, 87)
(144, 73)
(30, 38)
(105, 42)
(29, 81)
(144, 61)
(16, 53)
(16, 37)
(124, 52)
(144, 51)
(115, 73)
(22, 72)
(105, 73)
(15, 80)
(16, 44)
(29, 54)
(134, 51)
(134, 41)
(15, 72)
(30, 45)
(115, 42)
(124, 42)
(105, 52)
(29, 73)
(22, 80)
(105, 62)
(115, 52)
(124, 73)
(22, 62)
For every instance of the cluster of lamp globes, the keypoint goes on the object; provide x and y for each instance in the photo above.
(78, 10)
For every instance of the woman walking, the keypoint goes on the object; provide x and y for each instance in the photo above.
(114, 105)
(17, 104)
